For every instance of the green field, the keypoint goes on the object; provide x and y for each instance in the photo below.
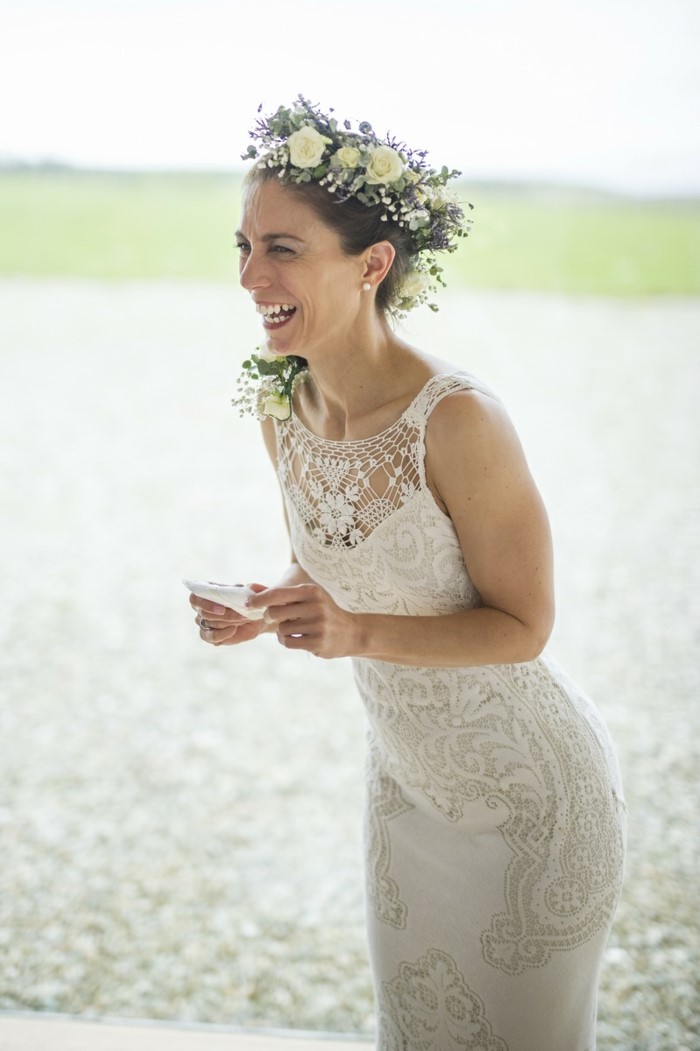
(180, 226)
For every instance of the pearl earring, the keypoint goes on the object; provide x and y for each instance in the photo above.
(366, 287)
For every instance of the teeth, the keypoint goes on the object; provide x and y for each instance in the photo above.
(271, 309)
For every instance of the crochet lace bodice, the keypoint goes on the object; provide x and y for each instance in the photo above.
(363, 520)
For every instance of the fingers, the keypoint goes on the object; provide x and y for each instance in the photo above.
(208, 622)
(215, 613)
(217, 636)
(220, 626)
(286, 620)
(282, 596)
(293, 612)
(207, 628)
(206, 606)
(227, 634)
(299, 642)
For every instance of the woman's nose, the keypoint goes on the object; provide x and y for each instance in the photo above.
(253, 274)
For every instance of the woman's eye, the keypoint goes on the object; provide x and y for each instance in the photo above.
(243, 246)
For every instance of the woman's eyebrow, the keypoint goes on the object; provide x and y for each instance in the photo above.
(272, 237)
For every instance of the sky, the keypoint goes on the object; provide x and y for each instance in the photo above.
(602, 93)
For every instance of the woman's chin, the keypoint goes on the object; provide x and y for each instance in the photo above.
(275, 348)
(279, 345)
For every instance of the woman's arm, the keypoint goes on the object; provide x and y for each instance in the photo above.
(478, 474)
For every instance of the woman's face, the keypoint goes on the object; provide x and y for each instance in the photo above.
(306, 288)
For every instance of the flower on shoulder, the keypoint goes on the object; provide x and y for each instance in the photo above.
(276, 405)
(267, 383)
(385, 166)
(306, 147)
(266, 355)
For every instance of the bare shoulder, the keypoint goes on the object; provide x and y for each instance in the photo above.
(474, 456)
(469, 425)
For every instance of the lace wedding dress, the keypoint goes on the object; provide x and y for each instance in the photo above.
(495, 822)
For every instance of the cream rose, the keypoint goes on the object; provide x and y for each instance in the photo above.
(413, 284)
(306, 147)
(267, 355)
(384, 166)
(347, 157)
(276, 405)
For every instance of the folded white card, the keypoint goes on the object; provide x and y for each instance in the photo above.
(228, 595)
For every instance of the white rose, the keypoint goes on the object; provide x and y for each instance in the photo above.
(414, 284)
(347, 157)
(267, 355)
(384, 166)
(306, 147)
(277, 406)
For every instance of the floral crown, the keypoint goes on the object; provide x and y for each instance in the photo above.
(307, 146)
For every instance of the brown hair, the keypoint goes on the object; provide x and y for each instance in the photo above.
(357, 225)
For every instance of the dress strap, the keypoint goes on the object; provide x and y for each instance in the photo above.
(438, 387)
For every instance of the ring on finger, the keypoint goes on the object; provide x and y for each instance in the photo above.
(204, 625)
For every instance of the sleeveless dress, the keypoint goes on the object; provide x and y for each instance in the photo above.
(495, 822)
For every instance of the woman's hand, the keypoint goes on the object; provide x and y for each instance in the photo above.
(305, 617)
(222, 626)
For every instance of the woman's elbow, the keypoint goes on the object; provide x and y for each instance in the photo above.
(534, 635)
(539, 633)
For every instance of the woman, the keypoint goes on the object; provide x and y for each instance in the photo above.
(494, 826)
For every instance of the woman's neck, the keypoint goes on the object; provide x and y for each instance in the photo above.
(359, 381)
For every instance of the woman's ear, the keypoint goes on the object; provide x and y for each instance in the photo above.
(378, 260)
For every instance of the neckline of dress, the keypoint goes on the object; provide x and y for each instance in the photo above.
(375, 437)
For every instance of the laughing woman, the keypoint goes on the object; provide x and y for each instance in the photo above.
(495, 822)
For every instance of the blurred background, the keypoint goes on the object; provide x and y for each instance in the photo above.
(124, 123)
(181, 827)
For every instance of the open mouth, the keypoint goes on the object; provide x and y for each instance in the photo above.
(275, 314)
